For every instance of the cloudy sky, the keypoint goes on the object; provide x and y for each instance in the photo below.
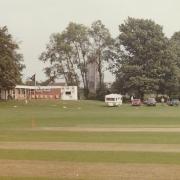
(31, 22)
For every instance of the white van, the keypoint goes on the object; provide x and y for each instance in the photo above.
(113, 99)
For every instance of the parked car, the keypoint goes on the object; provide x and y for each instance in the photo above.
(145, 101)
(136, 102)
(151, 102)
(173, 102)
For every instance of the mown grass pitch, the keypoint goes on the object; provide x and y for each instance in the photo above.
(85, 123)
(85, 113)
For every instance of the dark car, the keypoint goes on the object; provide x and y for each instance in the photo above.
(136, 102)
(151, 102)
(173, 102)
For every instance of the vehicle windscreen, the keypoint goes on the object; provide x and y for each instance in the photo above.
(151, 100)
(110, 99)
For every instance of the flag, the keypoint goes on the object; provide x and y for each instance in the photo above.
(33, 77)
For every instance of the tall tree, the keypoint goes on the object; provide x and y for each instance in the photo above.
(101, 41)
(146, 64)
(68, 54)
(175, 44)
(174, 84)
(60, 55)
(78, 37)
(10, 60)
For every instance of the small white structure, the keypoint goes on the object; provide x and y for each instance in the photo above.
(113, 99)
(69, 93)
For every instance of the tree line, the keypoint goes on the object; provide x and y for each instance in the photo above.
(11, 61)
(142, 59)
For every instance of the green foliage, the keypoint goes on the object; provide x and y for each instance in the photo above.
(101, 92)
(101, 42)
(10, 60)
(70, 52)
(174, 87)
(175, 44)
(146, 62)
(92, 96)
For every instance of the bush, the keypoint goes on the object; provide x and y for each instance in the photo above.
(101, 92)
(92, 96)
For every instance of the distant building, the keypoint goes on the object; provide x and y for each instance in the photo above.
(57, 84)
(21, 92)
(93, 77)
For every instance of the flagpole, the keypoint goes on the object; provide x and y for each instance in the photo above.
(35, 85)
(35, 80)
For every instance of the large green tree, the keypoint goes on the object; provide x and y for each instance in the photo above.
(146, 63)
(10, 60)
(68, 54)
(174, 84)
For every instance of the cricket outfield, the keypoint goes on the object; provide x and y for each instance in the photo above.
(87, 140)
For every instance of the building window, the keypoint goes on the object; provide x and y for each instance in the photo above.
(68, 92)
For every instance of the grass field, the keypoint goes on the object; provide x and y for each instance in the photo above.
(87, 140)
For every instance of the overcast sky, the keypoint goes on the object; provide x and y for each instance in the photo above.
(31, 22)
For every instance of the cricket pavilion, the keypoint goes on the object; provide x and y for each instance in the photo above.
(23, 92)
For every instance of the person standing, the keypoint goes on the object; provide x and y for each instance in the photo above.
(132, 98)
(162, 100)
